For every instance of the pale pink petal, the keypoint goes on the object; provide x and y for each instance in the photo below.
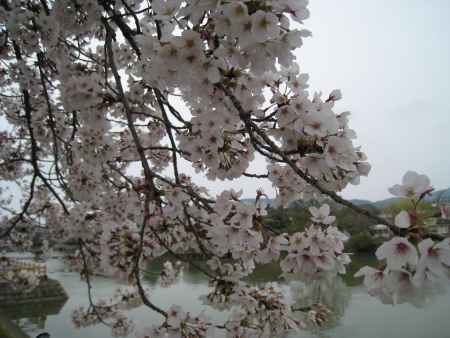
(397, 190)
(444, 244)
(384, 251)
(410, 178)
(424, 246)
(422, 184)
(402, 220)
(365, 270)
(444, 257)
(325, 209)
(314, 211)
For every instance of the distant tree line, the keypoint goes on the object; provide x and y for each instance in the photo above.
(357, 226)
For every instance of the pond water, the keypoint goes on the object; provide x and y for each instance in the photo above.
(355, 313)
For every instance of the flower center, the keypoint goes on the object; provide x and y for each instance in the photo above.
(316, 125)
(402, 248)
(432, 252)
(264, 23)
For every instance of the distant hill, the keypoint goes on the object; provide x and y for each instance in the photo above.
(386, 202)
(357, 201)
(443, 195)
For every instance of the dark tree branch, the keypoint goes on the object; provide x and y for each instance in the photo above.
(252, 127)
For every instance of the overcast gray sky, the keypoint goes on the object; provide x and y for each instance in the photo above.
(392, 61)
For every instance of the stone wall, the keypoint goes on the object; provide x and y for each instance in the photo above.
(48, 289)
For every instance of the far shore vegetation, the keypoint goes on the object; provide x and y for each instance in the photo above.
(357, 226)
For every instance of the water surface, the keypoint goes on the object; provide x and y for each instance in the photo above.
(355, 313)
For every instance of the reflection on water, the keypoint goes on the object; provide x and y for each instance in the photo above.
(331, 292)
(32, 317)
(355, 313)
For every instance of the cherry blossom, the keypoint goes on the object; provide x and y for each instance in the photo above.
(433, 263)
(170, 273)
(398, 252)
(322, 215)
(264, 26)
(316, 252)
(110, 310)
(373, 279)
(413, 186)
(403, 220)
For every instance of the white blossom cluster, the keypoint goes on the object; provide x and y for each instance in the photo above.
(110, 311)
(170, 273)
(316, 251)
(410, 271)
(233, 230)
(263, 311)
(179, 324)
